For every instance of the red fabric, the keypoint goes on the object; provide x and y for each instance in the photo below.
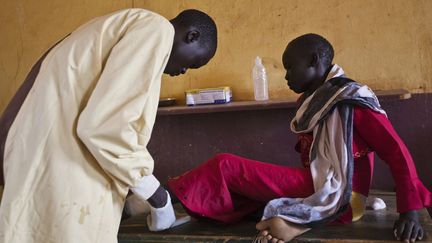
(374, 132)
(229, 187)
(378, 133)
(345, 218)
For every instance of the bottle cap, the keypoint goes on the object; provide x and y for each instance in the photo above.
(258, 61)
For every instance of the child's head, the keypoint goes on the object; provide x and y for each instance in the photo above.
(307, 60)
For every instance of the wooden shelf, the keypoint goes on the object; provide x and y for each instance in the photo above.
(383, 95)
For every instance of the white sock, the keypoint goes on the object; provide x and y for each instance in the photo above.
(161, 218)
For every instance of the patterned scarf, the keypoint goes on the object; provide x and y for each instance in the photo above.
(328, 113)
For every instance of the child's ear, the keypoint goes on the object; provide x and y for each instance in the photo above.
(314, 59)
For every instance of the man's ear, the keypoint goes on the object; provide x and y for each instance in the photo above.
(192, 36)
(315, 59)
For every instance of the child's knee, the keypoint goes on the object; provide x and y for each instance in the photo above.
(223, 159)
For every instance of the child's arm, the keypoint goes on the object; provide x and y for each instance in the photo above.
(411, 194)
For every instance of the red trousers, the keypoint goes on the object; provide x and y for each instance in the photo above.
(228, 187)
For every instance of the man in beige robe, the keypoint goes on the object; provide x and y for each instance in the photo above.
(73, 139)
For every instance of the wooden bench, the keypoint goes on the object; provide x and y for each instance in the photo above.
(375, 226)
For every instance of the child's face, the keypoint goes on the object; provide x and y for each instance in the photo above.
(300, 71)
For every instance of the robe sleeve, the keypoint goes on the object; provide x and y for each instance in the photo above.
(118, 119)
(380, 135)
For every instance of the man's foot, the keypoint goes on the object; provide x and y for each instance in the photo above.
(277, 230)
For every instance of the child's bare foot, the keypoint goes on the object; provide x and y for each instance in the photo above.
(277, 230)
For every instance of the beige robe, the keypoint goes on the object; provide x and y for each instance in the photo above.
(79, 140)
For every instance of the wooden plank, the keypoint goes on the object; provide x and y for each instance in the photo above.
(375, 226)
(386, 95)
(393, 94)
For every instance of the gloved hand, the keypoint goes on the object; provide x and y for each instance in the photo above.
(135, 205)
(151, 197)
(161, 218)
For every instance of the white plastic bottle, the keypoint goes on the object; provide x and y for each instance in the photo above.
(260, 80)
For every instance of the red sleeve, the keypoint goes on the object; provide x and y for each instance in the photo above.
(381, 137)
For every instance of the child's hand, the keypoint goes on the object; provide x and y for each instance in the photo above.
(408, 228)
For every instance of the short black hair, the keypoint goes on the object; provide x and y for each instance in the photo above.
(316, 43)
(203, 23)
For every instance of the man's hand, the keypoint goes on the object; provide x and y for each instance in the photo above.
(159, 198)
(408, 228)
(163, 217)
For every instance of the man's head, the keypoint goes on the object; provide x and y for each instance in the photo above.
(307, 60)
(195, 41)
